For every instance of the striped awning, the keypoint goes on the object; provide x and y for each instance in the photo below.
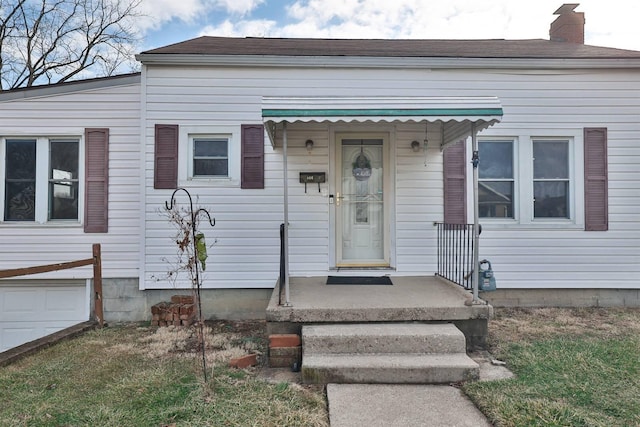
(456, 114)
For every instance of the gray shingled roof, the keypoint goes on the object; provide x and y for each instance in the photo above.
(537, 48)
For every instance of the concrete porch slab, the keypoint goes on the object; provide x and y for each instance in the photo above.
(417, 298)
(425, 299)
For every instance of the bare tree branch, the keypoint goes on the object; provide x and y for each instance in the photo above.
(49, 41)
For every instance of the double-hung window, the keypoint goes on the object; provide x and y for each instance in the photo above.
(496, 184)
(551, 179)
(41, 179)
(528, 180)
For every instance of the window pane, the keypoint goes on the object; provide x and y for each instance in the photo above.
(210, 167)
(21, 159)
(495, 199)
(20, 201)
(63, 200)
(210, 148)
(551, 199)
(20, 180)
(64, 160)
(551, 160)
(496, 159)
(63, 179)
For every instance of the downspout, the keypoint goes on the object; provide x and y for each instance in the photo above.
(285, 186)
(476, 214)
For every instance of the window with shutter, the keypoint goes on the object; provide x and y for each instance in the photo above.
(454, 184)
(165, 174)
(96, 188)
(595, 179)
(252, 165)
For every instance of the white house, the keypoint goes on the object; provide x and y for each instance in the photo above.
(367, 133)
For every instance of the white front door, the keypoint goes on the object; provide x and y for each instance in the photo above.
(360, 205)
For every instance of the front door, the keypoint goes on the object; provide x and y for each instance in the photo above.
(361, 214)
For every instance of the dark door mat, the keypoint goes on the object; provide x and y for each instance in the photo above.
(358, 280)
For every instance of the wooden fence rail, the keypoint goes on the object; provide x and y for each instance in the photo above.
(95, 260)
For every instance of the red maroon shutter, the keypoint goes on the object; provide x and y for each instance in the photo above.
(165, 171)
(455, 184)
(252, 164)
(596, 204)
(96, 188)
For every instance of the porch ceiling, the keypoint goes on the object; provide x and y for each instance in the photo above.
(456, 114)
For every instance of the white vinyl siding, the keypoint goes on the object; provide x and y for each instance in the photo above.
(59, 116)
(544, 104)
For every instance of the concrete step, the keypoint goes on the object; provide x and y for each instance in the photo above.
(388, 368)
(382, 338)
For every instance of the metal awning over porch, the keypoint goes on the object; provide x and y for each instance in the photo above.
(460, 117)
(457, 114)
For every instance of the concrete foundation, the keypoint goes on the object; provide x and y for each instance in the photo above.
(123, 301)
(563, 297)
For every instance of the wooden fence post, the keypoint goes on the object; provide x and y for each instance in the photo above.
(97, 283)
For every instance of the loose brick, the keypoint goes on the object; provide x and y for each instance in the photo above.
(244, 361)
(182, 299)
(186, 309)
(159, 308)
(284, 340)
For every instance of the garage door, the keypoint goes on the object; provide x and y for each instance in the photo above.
(32, 310)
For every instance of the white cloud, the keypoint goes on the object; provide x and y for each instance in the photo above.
(239, 7)
(252, 28)
(158, 12)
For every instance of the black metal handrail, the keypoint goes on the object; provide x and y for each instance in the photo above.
(281, 279)
(455, 252)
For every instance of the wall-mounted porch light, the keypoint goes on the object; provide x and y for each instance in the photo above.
(415, 146)
(309, 145)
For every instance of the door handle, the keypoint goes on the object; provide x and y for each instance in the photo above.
(338, 199)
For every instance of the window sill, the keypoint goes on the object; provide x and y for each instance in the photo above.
(210, 182)
(32, 224)
(514, 225)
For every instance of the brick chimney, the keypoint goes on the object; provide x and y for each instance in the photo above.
(568, 26)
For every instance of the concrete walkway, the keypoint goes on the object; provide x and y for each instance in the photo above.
(371, 405)
(390, 405)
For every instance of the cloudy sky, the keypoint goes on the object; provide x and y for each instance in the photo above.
(612, 23)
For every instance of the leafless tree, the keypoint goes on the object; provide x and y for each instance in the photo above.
(50, 41)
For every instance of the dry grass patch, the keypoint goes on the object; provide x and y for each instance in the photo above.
(518, 325)
(143, 376)
(574, 367)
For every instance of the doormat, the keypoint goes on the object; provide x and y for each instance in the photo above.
(358, 280)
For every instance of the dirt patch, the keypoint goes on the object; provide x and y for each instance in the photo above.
(224, 340)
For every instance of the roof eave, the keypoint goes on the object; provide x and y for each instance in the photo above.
(70, 87)
(385, 62)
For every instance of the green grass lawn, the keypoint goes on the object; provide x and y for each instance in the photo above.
(573, 368)
(137, 376)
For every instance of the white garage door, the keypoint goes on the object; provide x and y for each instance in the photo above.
(32, 310)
